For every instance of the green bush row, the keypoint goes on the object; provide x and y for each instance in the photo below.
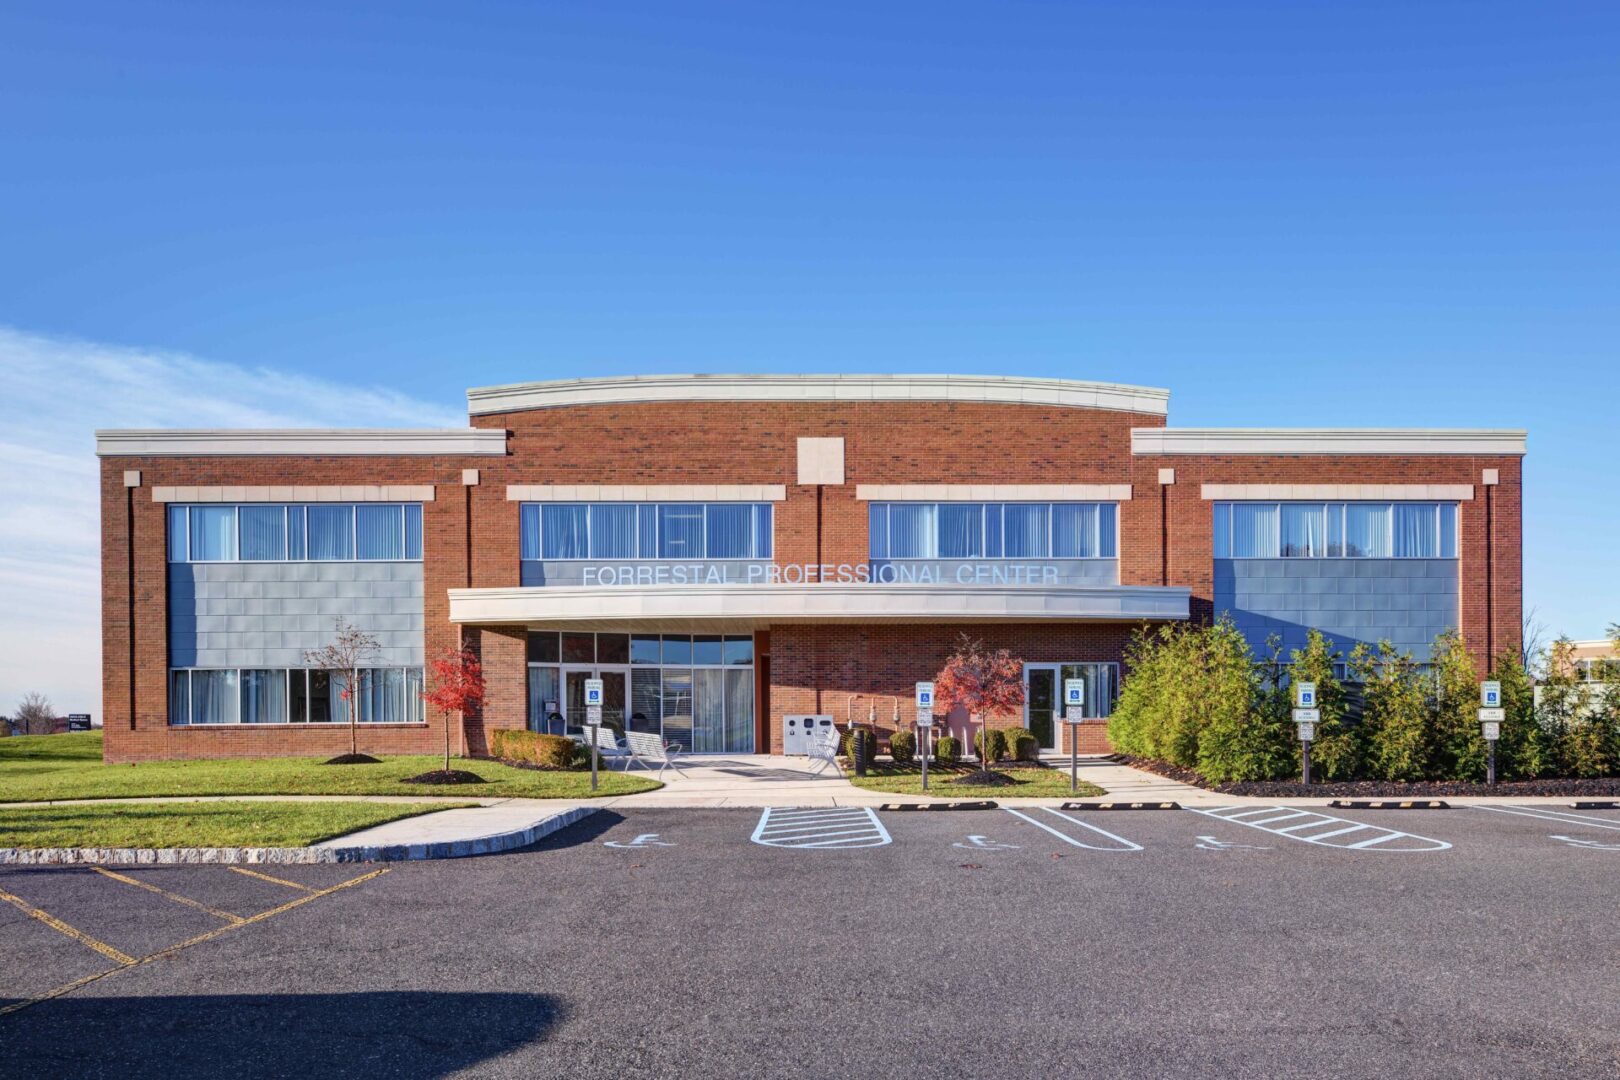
(1197, 697)
(533, 748)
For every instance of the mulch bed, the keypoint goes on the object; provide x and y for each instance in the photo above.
(1377, 788)
(445, 776)
(353, 759)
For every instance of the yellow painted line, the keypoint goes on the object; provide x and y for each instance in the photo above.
(176, 897)
(267, 877)
(57, 924)
(125, 961)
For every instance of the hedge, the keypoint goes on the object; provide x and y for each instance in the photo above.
(533, 748)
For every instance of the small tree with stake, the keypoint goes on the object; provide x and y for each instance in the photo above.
(343, 659)
(983, 683)
(455, 686)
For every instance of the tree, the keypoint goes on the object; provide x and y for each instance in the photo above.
(1521, 751)
(1337, 751)
(344, 659)
(455, 685)
(1396, 713)
(984, 683)
(1457, 744)
(35, 715)
(1563, 707)
(1246, 731)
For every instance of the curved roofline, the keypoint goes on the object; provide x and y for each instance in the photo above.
(997, 389)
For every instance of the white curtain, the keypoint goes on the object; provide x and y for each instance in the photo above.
(213, 533)
(680, 531)
(739, 711)
(1074, 530)
(1417, 531)
(877, 530)
(529, 531)
(562, 531)
(613, 531)
(912, 531)
(264, 696)
(1366, 530)
(1304, 530)
(264, 533)
(179, 697)
(379, 532)
(730, 530)
(763, 528)
(177, 534)
(331, 532)
(708, 711)
(213, 697)
(961, 530)
(413, 530)
(1254, 530)
(1027, 530)
(993, 546)
(296, 548)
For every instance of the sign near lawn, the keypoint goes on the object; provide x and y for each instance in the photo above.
(1074, 700)
(593, 701)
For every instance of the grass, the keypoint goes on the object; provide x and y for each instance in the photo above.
(206, 824)
(36, 768)
(1027, 783)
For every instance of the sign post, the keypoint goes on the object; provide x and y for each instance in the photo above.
(925, 724)
(1491, 715)
(1074, 705)
(1306, 717)
(593, 719)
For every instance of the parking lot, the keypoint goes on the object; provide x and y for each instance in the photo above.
(1250, 941)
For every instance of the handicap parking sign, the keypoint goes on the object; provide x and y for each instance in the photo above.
(593, 693)
(925, 695)
(1074, 693)
(1490, 694)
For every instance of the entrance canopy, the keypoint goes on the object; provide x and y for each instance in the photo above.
(758, 606)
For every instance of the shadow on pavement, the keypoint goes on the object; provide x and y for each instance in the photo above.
(403, 1035)
(581, 832)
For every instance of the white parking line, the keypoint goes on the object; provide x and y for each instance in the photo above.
(1373, 838)
(1560, 817)
(839, 827)
(1124, 844)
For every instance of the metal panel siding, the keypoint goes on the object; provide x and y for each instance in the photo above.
(268, 614)
(1408, 601)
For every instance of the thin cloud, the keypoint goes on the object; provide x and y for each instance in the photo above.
(57, 391)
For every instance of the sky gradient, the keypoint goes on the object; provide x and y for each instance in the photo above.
(1289, 214)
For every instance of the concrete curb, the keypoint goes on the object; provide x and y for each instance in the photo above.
(1120, 806)
(1389, 804)
(449, 849)
(983, 804)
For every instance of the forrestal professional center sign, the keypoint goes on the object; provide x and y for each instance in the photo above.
(922, 573)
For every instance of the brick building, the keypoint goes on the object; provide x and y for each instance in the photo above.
(728, 552)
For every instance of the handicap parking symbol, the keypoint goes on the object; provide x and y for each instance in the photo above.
(645, 840)
(984, 843)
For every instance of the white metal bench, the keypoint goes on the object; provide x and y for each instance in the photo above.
(646, 749)
(608, 746)
(824, 750)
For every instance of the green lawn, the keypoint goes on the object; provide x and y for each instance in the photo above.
(201, 824)
(1027, 783)
(41, 767)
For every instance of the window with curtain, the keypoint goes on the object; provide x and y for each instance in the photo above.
(213, 697)
(295, 695)
(213, 534)
(1349, 530)
(992, 530)
(675, 531)
(278, 532)
(264, 696)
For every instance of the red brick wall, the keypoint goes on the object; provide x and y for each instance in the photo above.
(747, 443)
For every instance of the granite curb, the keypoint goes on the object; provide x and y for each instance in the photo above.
(448, 849)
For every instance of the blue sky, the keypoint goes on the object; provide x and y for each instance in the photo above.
(1288, 213)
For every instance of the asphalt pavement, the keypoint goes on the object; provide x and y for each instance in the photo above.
(844, 942)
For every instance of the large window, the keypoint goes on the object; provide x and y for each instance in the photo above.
(277, 532)
(1357, 530)
(697, 691)
(671, 531)
(291, 696)
(993, 530)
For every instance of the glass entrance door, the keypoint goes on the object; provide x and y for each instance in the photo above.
(1041, 703)
(615, 681)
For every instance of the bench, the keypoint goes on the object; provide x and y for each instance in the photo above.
(608, 746)
(824, 750)
(646, 749)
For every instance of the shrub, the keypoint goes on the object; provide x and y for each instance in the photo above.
(947, 749)
(868, 736)
(1521, 751)
(903, 747)
(1457, 747)
(1337, 753)
(531, 747)
(1396, 714)
(1246, 732)
(991, 744)
(1022, 745)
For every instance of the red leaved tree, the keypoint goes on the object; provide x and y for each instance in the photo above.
(983, 683)
(455, 685)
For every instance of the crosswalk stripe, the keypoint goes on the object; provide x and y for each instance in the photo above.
(1335, 832)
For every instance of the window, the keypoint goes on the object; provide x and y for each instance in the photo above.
(993, 530)
(1356, 530)
(291, 695)
(274, 532)
(673, 531)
